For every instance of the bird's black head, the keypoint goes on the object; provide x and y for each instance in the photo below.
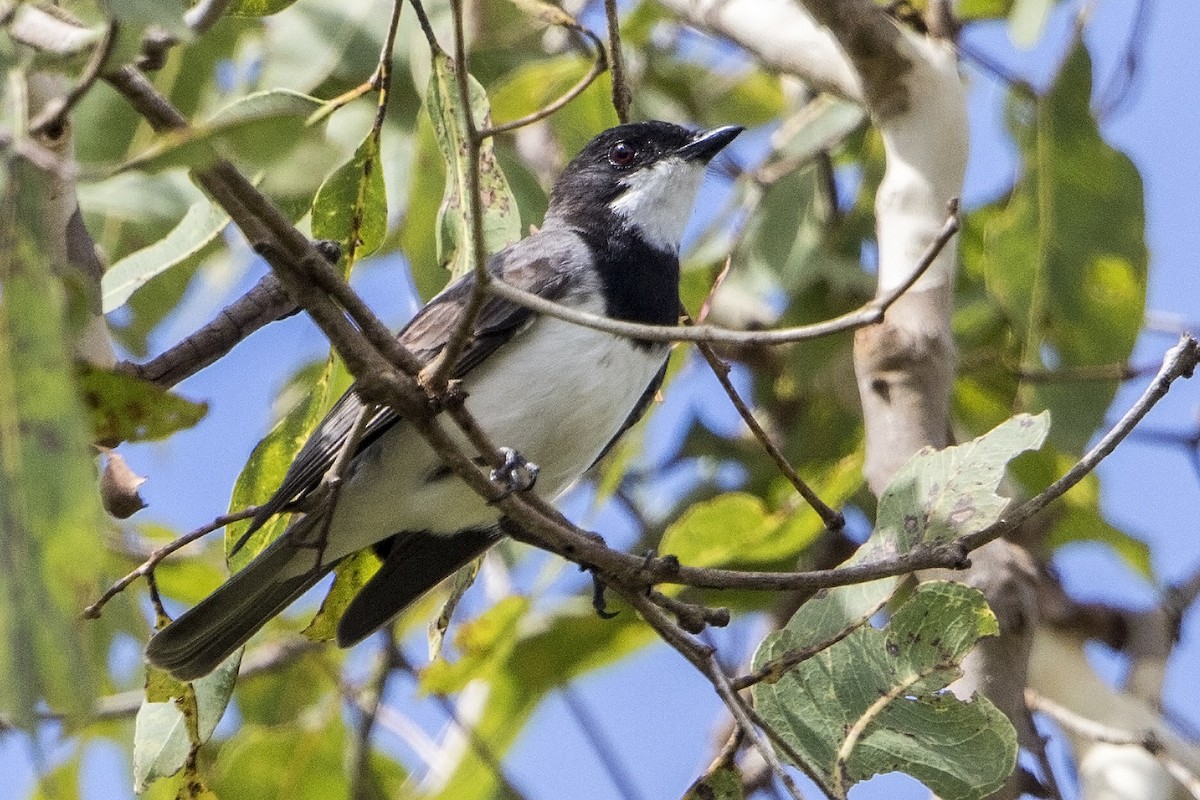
(645, 174)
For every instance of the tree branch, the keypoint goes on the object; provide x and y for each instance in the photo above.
(599, 67)
(781, 36)
(1179, 362)
(267, 302)
(1148, 740)
(869, 314)
(621, 95)
(146, 568)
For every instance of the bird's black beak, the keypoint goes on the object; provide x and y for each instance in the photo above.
(706, 144)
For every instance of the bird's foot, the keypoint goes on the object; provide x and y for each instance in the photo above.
(599, 603)
(515, 474)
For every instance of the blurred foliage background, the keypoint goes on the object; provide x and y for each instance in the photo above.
(1050, 304)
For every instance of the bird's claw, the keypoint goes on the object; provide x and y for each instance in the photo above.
(515, 474)
(598, 601)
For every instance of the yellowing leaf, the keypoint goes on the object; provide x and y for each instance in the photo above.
(501, 220)
(351, 206)
(125, 408)
(269, 462)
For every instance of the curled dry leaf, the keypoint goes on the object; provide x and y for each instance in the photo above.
(119, 487)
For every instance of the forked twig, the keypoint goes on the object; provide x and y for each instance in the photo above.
(146, 568)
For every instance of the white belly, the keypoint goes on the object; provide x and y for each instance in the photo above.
(557, 393)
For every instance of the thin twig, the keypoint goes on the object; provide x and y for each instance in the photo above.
(122, 705)
(1179, 598)
(426, 27)
(382, 79)
(147, 567)
(55, 111)
(1116, 90)
(776, 667)
(1179, 362)
(437, 374)
(834, 521)
(710, 298)
(751, 724)
(621, 96)
(161, 617)
(266, 302)
(205, 14)
(1108, 734)
(482, 749)
(703, 658)
(334, 478)
(1049, 781)
(606, 753)
(869, 314)
(368, 699)
(599, 67)
(692, 617)
(1085, 372)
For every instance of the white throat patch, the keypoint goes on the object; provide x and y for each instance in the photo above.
(658, 201)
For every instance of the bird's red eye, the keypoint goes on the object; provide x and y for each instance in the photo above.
(621, 154)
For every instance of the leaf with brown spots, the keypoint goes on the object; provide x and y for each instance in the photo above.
(351, 206)
(874, 702)
(501, 219)
(125, 408)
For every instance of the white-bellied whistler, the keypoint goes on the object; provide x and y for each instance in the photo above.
(554, 394)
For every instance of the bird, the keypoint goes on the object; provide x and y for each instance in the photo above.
(555, 394)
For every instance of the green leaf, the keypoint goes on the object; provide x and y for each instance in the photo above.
(49, 508)
(176, 718)
(969, 10)
(125, 408)
(673, 88)
(254, 124)
(1076, 516)
(283, 695)
(1066, 259)
(350, 576)
(721, 784)
(1027, 21)
(820, 125)
(737, 529)
(61, 782)
(982, 9)
(257, 8)
(425, 188)
(936, 497)
(351, 205)
(269, 462)
(140, 14)
(200, 226)
(941, 495)
(501, 219)
(460, 582)
(313, 751)
(870, 704)
(534, 84)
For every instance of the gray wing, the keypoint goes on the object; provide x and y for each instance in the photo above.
(539, 264)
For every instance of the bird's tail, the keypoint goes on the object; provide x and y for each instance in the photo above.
(202, 637)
